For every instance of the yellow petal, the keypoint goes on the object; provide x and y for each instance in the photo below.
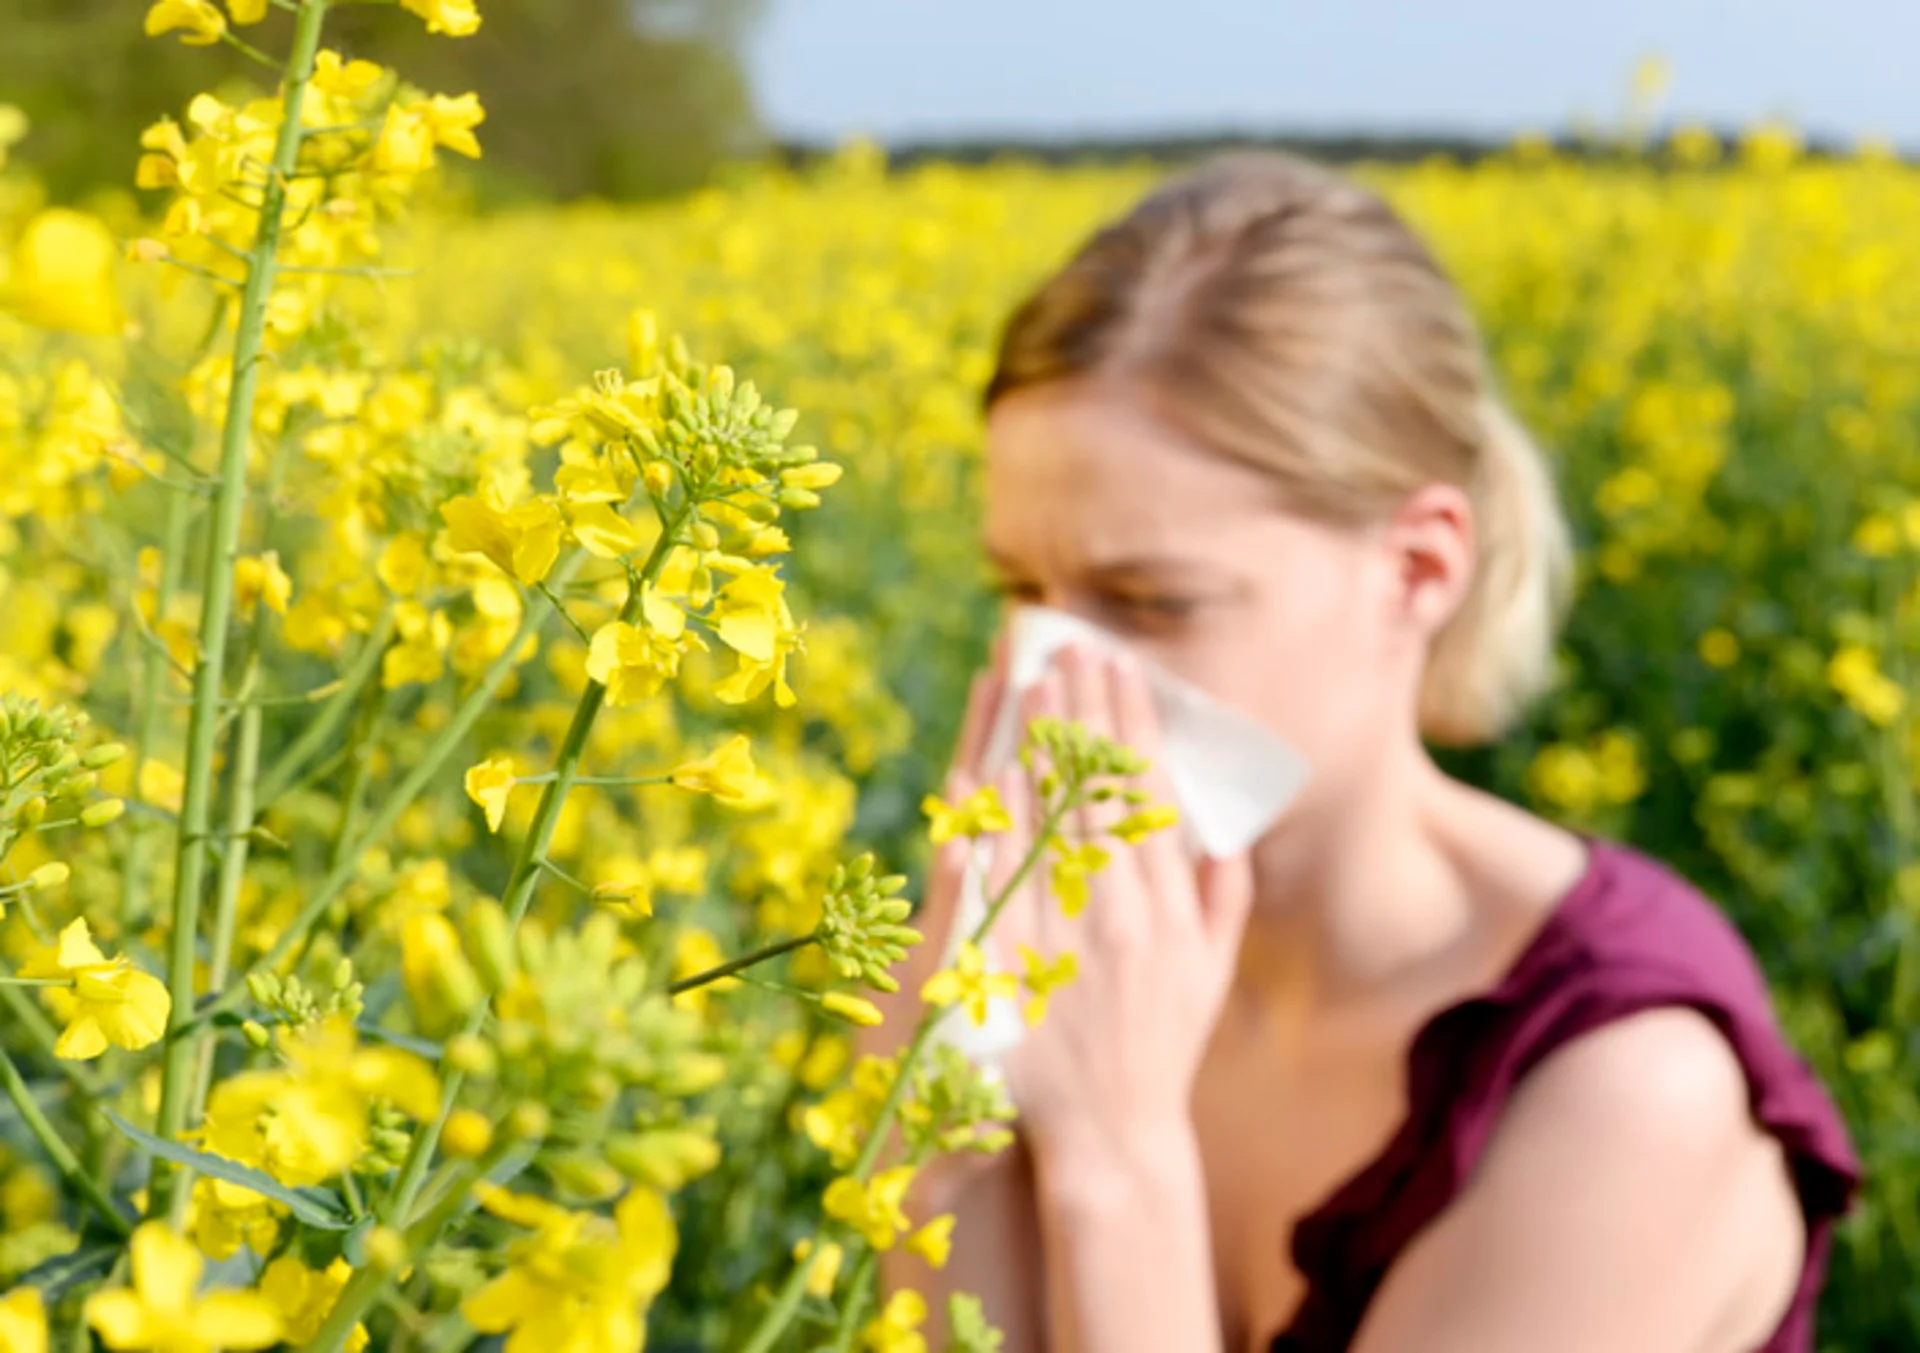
(82, 1040)
(77, 948)
(237, 1320)
(166, 1267)
(120, 1319)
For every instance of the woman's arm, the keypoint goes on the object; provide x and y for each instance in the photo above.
(1627, 1201)
(1124, 1225)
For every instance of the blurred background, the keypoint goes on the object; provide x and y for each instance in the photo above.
(1689, 229)
(630, 98)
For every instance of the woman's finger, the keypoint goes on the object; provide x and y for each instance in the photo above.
(1016, 923)
(1163, 855)
(983, 704)
(1226, 900)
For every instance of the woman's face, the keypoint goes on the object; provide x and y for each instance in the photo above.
(1097, 507)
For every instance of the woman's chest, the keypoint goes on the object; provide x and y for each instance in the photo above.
(1278, 1135)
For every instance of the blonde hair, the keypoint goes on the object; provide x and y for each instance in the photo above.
(1283, 315)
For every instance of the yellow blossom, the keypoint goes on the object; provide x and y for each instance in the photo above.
(112, 1002)
(1043, 977)
(23, 1321)
(826, 1269)
(1855, 673)
(979, 814)
(304, 1298)
(969, 983)
(199, 22)
(488, 785)
(897, 1328)
(1137, 827)
(163, 1310)
(258, 578)
(61, 276)
(455, 18)
(634, 661)
(750, 616)
(874, 1208)
(932, 1242)
(343, 79)
(247, 11)
(580, 1283)
(307, 1122)
(1072, 869)
(522, 541)
(726, 773)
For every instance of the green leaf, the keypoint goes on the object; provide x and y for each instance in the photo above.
(56, 1275)
(311, 1206)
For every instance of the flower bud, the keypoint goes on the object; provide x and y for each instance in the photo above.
(439, 980)
(104, 755)
(256, 1034)
(264, 987)
(585, 1176)
(704, 535)
(530, 1121)
(666, 1158)
(101, 813)
(49, 875)
(471, 1055)
(466, 1133)
(32, 813)
(658, 477)
(386, 1249)
(490, 939)
(853, 1009)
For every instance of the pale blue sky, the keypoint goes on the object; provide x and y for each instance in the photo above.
(897, 69)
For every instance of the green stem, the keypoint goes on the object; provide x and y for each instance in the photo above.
(153, 675)
(223, 545)
(855, 1307)
(398, 800)
(734, 965)
(233, 870)
(359, 762)
(357, 1296)
(786, 1302)
(57, 1149)
(284, 773)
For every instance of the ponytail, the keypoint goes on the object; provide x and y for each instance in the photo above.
(1497, 651)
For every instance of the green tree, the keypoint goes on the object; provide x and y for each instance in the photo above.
(610, 98)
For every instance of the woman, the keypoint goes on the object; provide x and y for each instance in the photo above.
(1423, 1073)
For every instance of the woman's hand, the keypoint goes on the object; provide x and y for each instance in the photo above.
(1112, 1064)
(938, 908)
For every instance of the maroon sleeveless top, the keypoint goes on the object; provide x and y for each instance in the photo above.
(1630, 936)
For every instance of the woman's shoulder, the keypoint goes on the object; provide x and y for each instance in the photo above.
(1634, 937)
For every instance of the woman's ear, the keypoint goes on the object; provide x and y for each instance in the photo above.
(1431, 537)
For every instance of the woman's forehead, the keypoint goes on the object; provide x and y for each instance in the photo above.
(1102, 470)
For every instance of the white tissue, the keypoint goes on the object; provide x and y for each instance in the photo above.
(1232, 779)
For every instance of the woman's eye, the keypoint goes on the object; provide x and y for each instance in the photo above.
(1155, 609)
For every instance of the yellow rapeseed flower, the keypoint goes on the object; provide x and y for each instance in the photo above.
(1043, 977)
(579, 1283)
(163, 1310)
(727, 774)
(455, 18)
(522, 540)
(634, 661)
(23, 1321)
(488, 784)
(932, 1242)
(258, 578)
(111, 1001)
(304, 1297)
(897, 1328)
(875, 1208)
(969, 983)
(979, 814)
(61, 276)
(199, 22)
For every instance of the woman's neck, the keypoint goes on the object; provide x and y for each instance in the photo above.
(1363, 890)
